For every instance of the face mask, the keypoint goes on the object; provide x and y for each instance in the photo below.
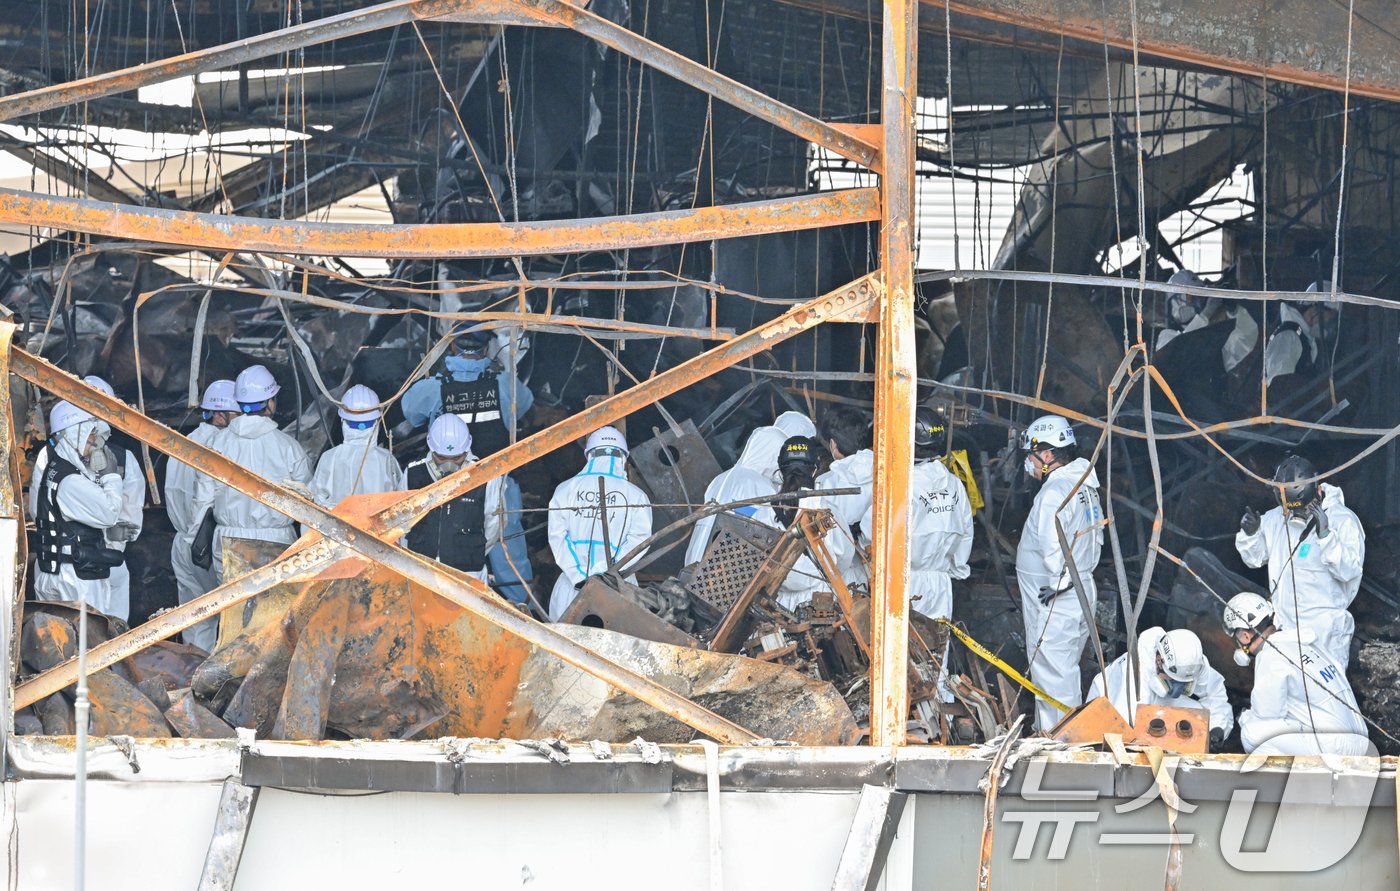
(1242, 658)
(1182, 310)
(1032, 467)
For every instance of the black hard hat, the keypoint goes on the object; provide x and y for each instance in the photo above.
(471, 335)
(797, 451)
(929, 428)
(1290, 470)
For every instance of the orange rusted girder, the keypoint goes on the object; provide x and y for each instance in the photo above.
(851, 303)
(894, 383)
(348, 24)
(436, 240)
(546, 13)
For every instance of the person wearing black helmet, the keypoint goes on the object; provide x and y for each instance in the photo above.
(1314, 547)
(797, 470)
(472, 384)
(940, 529)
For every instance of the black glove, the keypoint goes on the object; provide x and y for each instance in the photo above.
(1319, 516)
(1217, 738)
(1049, 593)
(202, 547)
(1249, 523)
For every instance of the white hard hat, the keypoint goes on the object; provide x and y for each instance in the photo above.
(255, 385)
(218, 396)
(65, 415)
(1321, 287)
(359, 403)
(1181, 657)
(1184, 277)
(96, 382)
(606, 438)
(1246, 611)
(795, 423)
(1047, 432)
(449, 436)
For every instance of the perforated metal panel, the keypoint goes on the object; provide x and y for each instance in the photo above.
(735, 554)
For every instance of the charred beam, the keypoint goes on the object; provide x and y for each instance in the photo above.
(438, 240)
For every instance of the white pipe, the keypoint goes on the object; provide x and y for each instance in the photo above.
(712, 793)
(80, 715)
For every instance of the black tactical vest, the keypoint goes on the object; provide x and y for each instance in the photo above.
(478, 403)
(454, 534)
(62, 540)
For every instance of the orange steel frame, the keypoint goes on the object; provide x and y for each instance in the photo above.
(369, 529)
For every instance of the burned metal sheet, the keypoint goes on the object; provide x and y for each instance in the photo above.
(674, 469)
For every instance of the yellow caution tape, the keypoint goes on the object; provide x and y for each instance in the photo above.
(996, 661)
(956, 461)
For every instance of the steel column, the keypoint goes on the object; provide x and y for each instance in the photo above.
(436, 240)
(894, 382)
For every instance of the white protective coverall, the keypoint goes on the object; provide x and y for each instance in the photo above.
(358, 466)
(853, 471)
(191, 581)
(752, 477)
(1284, 349)
(940, 541)
(1301, 703)
(1057, 632)
(1312, 590)
(576, 525)
(82, 498)
(118, 599)
(1209, 691)
(255, 442)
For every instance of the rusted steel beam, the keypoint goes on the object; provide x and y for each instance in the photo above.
(851, 303)
(437, 240)
(894, 383)
(348, 24)
(1301, 42)
(747, 99)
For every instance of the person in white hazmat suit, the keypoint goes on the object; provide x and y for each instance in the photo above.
(128, 526)
(359, 465)
(1055, 622)
(595, 517)
(940, 530)
(218, 408)
(254, 441)
(753, 476)
(461, 532)
(1315, 548)
(1172, 670)
(795, 423)
(846, 433)
(1187, 313)
(78, 498)
(1301, 703)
